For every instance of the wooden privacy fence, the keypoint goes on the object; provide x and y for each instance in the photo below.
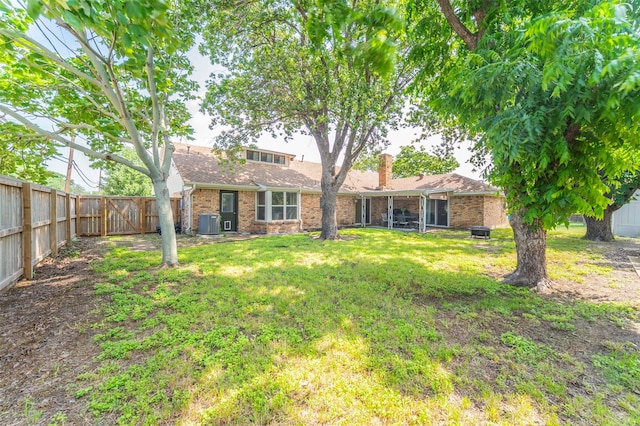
(35, 221)
(120, 215)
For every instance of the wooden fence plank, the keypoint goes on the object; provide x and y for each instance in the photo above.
(11, 228)
(103, 215)
(35, 221)
(53, 227)
(27, 232)
(68, 234)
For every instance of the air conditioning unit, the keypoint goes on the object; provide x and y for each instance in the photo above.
(209, 224)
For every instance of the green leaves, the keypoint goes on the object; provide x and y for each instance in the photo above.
(121, 180)
(365, 34)
(34, 8)
(551, 93)
(412, 162)
(321, 68)
(92, 79)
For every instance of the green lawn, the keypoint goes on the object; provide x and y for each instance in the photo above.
(383, 327)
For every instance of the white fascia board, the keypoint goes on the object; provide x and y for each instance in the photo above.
(493, 193)
(202, 185)
(407, 192)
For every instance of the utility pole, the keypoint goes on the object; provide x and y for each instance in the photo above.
(67, 183)
(100, 182)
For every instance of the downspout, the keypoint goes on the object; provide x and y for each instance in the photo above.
(189, 201)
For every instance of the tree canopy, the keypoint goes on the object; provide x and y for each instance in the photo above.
(122, 180)
(548, 89)
(329, 70)
(111, 73)
(20, 158)
(58, 181)
(410, 161)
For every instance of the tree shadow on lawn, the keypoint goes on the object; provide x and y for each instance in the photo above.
(290, 330)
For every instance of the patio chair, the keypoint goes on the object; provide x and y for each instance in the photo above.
(401, 220)
(385, 219)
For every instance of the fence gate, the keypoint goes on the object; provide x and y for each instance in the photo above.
(120, 215)
(35, 221)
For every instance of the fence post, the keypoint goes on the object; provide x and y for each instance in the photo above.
(103, 216)
(27, 231)
(67, 200)
(142, 205)
(53, 223)
(77, 210)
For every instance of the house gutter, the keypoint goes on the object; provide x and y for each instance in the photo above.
(409, 192)
(494, 193)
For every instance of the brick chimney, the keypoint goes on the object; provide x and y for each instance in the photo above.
(385, 171)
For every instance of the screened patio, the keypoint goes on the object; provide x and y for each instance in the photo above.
(407, 209)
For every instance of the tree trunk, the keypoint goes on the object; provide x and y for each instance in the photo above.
(531, 246)
(167, 226)
(328, 203)
(600, 229)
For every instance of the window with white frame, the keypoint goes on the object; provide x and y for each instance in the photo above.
(261, 206)
(276, 205)
(265, 157)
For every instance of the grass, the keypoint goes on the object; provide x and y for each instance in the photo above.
(381, 328)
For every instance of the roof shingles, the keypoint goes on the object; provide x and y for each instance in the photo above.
(200, 166)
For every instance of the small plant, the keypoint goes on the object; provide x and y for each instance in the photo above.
(621, 366)
(563, 326)
(31, 414)
(58, 419)
(82, 392)
(525, 350)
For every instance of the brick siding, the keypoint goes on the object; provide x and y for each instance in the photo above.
(495, 213)
(464, 211)
(312, 213)
(204, 201)
(207, 201)
(477, 210)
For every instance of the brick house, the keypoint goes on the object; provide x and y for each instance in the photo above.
(272, 192)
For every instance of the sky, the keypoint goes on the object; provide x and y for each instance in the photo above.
(301, 146)
(204, 136)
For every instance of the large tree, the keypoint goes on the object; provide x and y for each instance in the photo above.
(620, 193)
(325, 69)
(549, 89)
(111, 72)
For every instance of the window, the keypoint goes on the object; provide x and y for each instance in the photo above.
(261, 206)
(227, 203)
(276, 206)
(292, 205)
(265, 157)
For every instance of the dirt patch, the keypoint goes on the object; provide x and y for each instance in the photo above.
(622, 286)
(45, 338)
